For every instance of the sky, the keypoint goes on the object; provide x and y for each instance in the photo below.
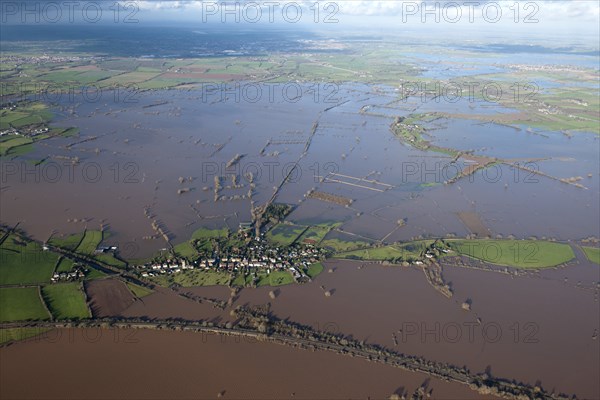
(569, 18)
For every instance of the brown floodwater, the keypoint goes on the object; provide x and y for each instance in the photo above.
(533, 328)
(145, 364)
(131, 157)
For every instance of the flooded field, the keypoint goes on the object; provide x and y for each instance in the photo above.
(372, 162)
(511, 318)
(195, 366)
(120, 174)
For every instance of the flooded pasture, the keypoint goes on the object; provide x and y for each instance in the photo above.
(156, 159)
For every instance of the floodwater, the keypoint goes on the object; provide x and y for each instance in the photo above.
(156, 160)
(532, 328)
(155, 157)
(143, 364)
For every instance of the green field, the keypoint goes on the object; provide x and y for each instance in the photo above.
(65, 265)
(25, 262)
(243, 280)
(93, 273)
(66, 301)
(205, 233)
(203, 236)
(515, 253)
(317, 233)
(398, 252)
(21, 304)
(276, 278)
(110, 259)
(194, 278)
(16, 334)
(372, 254)
(186, 250)
(66, 242)
(339, 245)
(284, 234)
(314, 270)
(138, 291)
(8, 145)
(592, 253)
(90, 242)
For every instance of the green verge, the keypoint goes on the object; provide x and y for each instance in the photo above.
(66, 301)
(592, 253)
(21, 304)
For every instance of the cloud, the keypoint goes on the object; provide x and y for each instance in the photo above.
(545, 11)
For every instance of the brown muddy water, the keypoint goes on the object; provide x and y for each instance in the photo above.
(145, 364)
(534, 328)
(131, 157)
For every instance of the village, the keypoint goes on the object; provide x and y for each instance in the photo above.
(256, 255)
(30, 131)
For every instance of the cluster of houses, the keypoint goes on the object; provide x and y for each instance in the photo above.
(73, 275)
(24, 132)
(433, 253)
(256, 255)
(105, 249)
(43, 59)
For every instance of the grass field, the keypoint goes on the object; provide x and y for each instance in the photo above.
(592, 253)
(242, 280)
(379, 253)
(316, 233)
(138, 291)
(205, 233)
(25, 262)
(12, 142)
(276, 278)
(314, 270)
(16, 334)
(339, 245)
(93, 273)
(194, 278)
(515, 253)
(109, 258)
(284, 234)
(90, 242)
(21, 304)
(67, 242)
(66, 301)
(65, 265)
(399, 252)
(185, 249)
